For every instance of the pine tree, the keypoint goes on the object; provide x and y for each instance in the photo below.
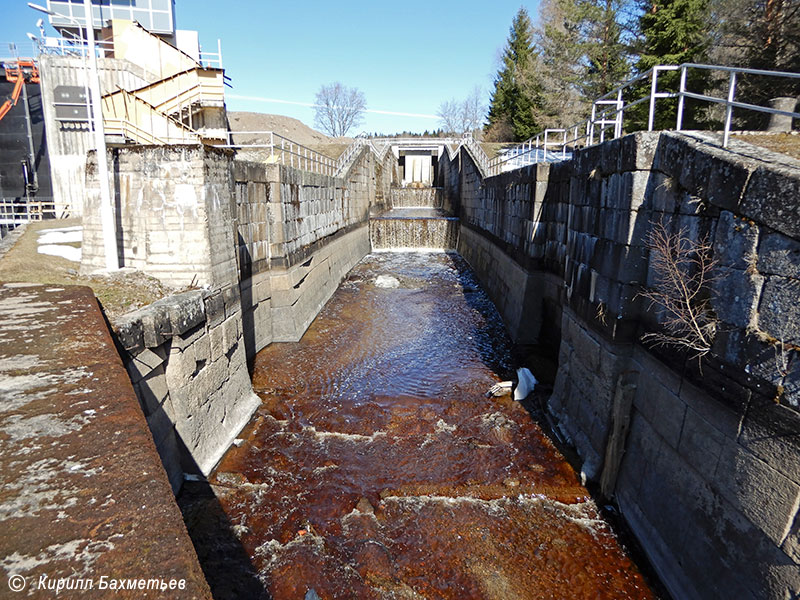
(561, 51)
(580, 56)
(672, 32)
(510, 106)
(606, 55)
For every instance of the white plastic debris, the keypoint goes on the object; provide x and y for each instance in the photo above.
(526, 384)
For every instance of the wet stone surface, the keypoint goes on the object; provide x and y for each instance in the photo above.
(377, 468)
(83, 494)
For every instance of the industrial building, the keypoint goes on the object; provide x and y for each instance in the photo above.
(156, 85)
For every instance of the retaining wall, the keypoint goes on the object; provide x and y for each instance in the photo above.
(703, 458)
(267, 245)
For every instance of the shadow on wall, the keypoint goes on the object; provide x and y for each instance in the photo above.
(226, 564)
(248, 308)
(212, 534)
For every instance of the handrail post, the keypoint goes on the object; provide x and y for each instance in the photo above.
(620, 113)
(591, 124)
(271, 146)
(544, 157)
(653, 88)
(681, 99)
(729, 109)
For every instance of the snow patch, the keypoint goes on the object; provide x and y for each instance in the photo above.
(68, 252)
(61, 237)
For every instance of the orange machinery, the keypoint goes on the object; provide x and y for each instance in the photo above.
(24, 70)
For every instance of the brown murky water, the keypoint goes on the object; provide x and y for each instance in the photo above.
(377, 468)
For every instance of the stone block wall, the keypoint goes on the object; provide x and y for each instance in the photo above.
(702, 457)
(711, 489)
(300, 291)
(314, 207)
(320, 231)
(449, 176)
(518, 222)
(254, 215)
(173, 214)
(186, 357)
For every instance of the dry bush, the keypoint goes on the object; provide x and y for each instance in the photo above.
(501, 131)
(683, 276)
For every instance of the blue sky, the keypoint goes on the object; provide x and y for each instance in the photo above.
(407, 57)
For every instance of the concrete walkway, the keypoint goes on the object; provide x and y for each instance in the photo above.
(86, 510)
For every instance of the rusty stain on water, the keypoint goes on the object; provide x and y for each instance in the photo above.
(377, 468)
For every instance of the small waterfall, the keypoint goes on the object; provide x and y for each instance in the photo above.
(398, 230)
(417, 197)
(415, 222)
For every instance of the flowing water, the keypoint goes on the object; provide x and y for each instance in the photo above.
(414, 228)
(378, 468)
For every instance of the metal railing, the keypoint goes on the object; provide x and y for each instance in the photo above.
(284, 151)
(381, 145)
(11, 51)
(17, 211)
(77, 46)
(607, 117)
(606, 121)
(729, 102)
(349, 154)
(132, 133)
(551, 145)
(212, 59)
(60, 46)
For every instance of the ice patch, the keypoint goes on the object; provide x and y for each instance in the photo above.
(82, 551)
(386, 281)
(21, 428)
(19, 362)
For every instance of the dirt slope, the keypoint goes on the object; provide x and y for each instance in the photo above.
(293, 129)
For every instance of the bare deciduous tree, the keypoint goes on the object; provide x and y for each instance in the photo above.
(338, 108)
(460, 117)
(683, 274)
(449, 116)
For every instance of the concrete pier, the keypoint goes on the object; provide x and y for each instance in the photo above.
(86, 509)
